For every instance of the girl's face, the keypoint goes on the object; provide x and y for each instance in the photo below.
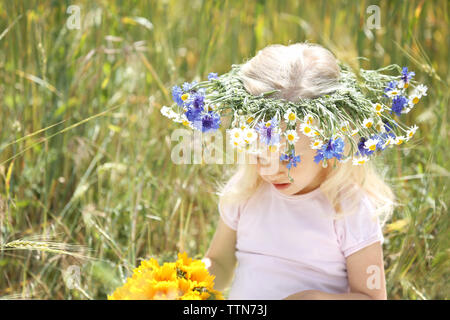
(307, 175)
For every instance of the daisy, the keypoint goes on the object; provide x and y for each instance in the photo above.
(185, 96)
(307, 129)
(309, 119)
(167, 112)
(360, 160)
(274, 147)
(399, 140)
(344, 126)
(249, 135)
(235, 133)
(181, 118)
(290, 116)
(402, 84)
(393, 93)
(410, 133)
(421, 90)
(380, 127)
(378, 107)
(354, 132)
(250, 119)
(414, 98)
(291, 136)
(368, 122)
(317, 144)
(388, 142)
(371, 144)
(406, 110)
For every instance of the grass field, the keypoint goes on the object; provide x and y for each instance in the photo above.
(85, 152)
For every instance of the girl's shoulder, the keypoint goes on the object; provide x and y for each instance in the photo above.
(358, 224)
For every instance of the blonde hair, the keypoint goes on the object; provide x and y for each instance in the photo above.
(305, 70)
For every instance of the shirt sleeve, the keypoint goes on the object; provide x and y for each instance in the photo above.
(230, 213)
(359, 229)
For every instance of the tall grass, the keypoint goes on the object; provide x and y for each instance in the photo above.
(99, 176)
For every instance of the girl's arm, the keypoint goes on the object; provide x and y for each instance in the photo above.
(220, 259)
(365, 269)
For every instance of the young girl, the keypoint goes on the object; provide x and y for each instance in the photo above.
(317, 237)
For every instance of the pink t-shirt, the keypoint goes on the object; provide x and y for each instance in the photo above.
(286, 244)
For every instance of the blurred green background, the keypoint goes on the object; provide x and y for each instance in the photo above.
(100, 174)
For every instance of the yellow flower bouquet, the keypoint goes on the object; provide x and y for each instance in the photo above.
(185, 279)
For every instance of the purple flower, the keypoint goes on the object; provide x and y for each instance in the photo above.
(209, 121)
(212, 75)
(406, 76)
(268, 134)
(292, 158)
(398, 103)
(176, 95)
(333, 148)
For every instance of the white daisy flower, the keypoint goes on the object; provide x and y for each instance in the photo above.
(421, 90)
(181, 118)
(307, 130)
(291, 136)
(414, 98)
(380, 127)
(167, 112)
(185, 96)
(250, 120)
(274, 147)
(316, 144)
(402, 84)
(406, 110)
(235, 133)
(378, 108)
(410, 133)
(354, 132)
(344, 160)
(399, 140)
(290, 116)
(344, 126)
(368, 122)
(393, 93)
(388, 142)
(249, 135)
(360, 160)
(309, 119)
(371, 144)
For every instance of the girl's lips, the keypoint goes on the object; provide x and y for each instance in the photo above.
(281, 185)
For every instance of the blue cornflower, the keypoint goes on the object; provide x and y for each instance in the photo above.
(188, 86)
(387, 125)
(176, 95)
(212, 75)
(361, 150)
(390, 86)
(194, 114)
(406, 76)
(196, 99)
(398, 103)
(332, 149)
(209, 121)
(292, 158)
(267, 131)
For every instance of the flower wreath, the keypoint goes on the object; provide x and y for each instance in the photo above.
(365, 106)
